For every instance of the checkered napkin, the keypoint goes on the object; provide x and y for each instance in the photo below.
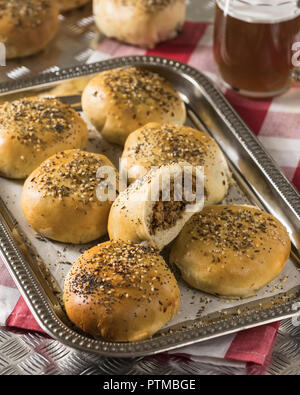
(276, 122)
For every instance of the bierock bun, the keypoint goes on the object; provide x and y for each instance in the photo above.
(33, 129)
(119, 101)
(26, 27)
(122, 292)
(155, 144)
(231, 250)
(155, 208)
(61, 199)
(143, 23)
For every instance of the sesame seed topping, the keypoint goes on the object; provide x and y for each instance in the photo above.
(24, 14)
(118, 270)
(133, 87)
(34, 121)
(172, 143)
(241, 229)
(69, 173)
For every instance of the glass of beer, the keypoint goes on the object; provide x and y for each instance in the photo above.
(255, 43)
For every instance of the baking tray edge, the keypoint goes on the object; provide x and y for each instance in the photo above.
(36, 296)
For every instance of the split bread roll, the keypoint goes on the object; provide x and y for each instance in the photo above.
(31, 130)
(140, 22)
(156, 207)
(119, 101)
(26, 27)
(231, 250)
(60, 199)
(123, 292)
(156, 144)
(67, 5)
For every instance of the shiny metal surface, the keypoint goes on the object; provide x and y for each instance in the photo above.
(33, 354)
(262, 182)
(73, 44)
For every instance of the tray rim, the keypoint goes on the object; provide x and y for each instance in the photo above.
(35, 295)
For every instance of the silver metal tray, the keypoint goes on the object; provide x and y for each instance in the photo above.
(256, 175)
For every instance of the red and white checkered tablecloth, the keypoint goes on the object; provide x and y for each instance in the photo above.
(276, 122)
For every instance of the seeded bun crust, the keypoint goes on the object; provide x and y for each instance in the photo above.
(136, 216)
(119, 101)
(26, 27)
(60, 200)
(123, 292)
(67, 5)
(140, 22)
(157, 144)
(231, 250)
(31, 130)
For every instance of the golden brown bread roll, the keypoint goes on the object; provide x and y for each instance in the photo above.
(31, 130)
(140, 22)
(121, 291)
(156, 207)
(231, 250)
(60, 199)
(119, 101)
(67, 5)
(26, 27)
(156, 144)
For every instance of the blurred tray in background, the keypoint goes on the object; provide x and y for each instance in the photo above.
(76, 40)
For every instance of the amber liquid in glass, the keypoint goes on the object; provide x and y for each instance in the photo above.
(255, 57)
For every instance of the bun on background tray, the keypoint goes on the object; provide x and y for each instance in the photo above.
(140, 22)
(26, 27)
